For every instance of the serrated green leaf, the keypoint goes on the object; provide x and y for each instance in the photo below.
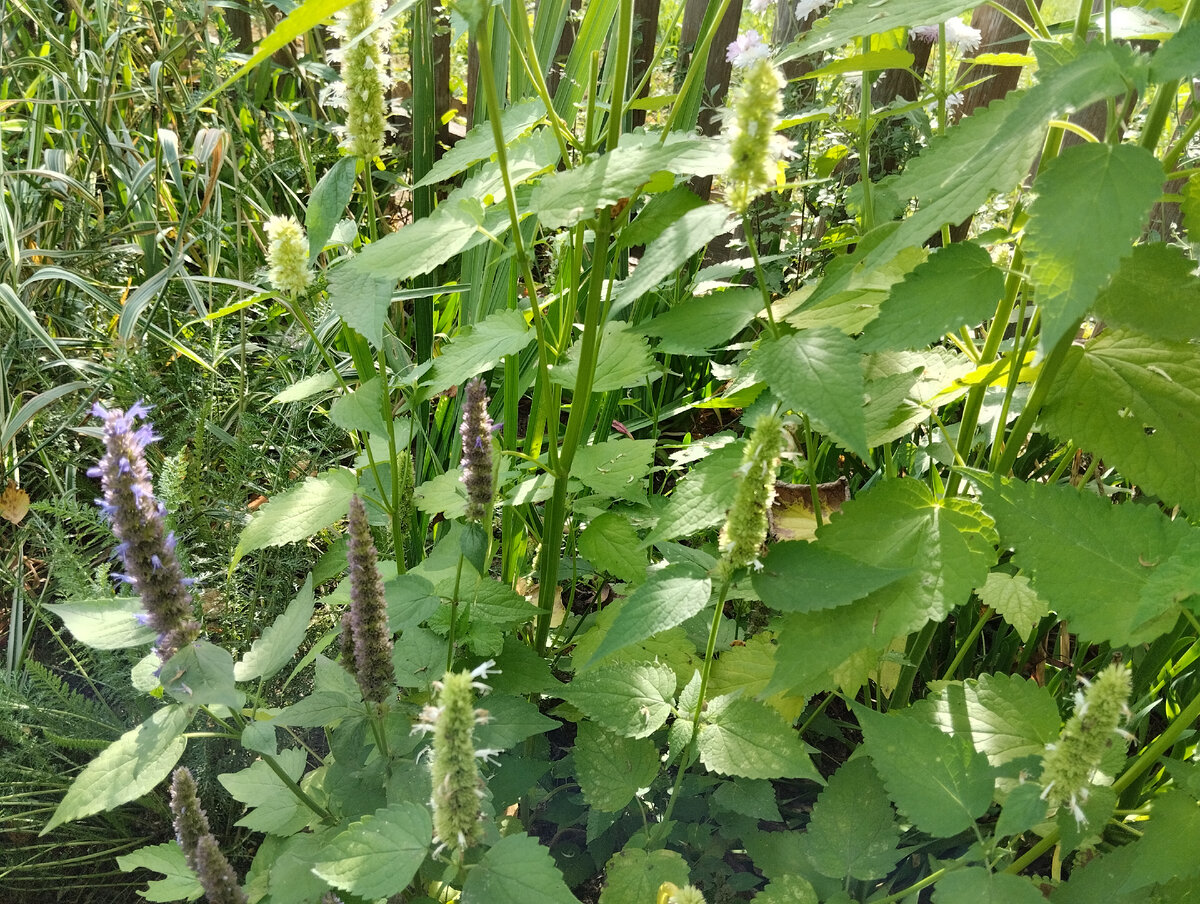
(1023, 809)
(853, 830)
(702, 498)
(260, 737)
(328, 202)
(615, 468)
(1155, 292)
(798, 576)
(612, 769)
(875, 61)
(612, 545)
(479, 143)
(290, 877)
(752, 797)
(378, 855)
(568, 197)
(698, 324)
(1110, 186)
(361, 409)
(1004, 717)
(510, 721)
(442, 494)
(1136, 402)
(410, 600)
(633, 700)
(671, 646)
(903, 388)
(743, 737)
(298, 513)
(274, 809)
(957, 286)
(167, 858)
(1090, 559)
(669, 597)
(635, 875)
(660, 212)
(976, 885)
(938, 780)
(280, 642)
(1014, 598)
(478, 348)
(674, 246)
(319, 708)
(107, 623)
(817, 372)
(787, 889)
(516, 870)
(1178, 58)
(624, 360)
(946, 546)
(129, 767)
(202, 674)
(852, 20)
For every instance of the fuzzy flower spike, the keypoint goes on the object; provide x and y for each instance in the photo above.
(145, 546)
(476, 434)
(200, 847)
(366, 636)
(457, 785)
(754, 149)
(1069, 764)
(362, 91)
(745, 527)
(287, 255)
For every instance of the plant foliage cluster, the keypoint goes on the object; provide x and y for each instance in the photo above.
(617, 503)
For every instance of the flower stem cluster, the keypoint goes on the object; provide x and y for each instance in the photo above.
(287, 255)
(476, 433)
(366, 635)
(745, 527)
(362, 91)
(146, 547)
(1069, 764)
(200, 848)
(754, 148)
(457, 786)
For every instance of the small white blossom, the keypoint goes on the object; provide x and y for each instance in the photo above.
(806, 8)
(747, 49)
(958, 33)
(759, 6)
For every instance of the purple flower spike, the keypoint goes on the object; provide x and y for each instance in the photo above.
(477, 452)
(200, 848)
(370, 637)
(137, 520)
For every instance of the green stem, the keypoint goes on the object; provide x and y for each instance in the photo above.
(1165, 97)
(760, 276)
(696, 67)
(908, 674)
(966, 645)
(705, 672)
(454, 613)
(1029, 415)
(864, 143)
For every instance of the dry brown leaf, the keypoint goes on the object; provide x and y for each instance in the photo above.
(14, 503)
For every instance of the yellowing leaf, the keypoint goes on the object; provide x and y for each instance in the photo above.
(14, 503)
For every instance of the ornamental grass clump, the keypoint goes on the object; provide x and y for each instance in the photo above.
(755, 149)
(1069, 764)
(366, 635)
(745, 527)
(146, 547)
(362, 91)
(287, 255)
(200, 848)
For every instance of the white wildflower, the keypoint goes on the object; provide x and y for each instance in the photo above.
(747, 49)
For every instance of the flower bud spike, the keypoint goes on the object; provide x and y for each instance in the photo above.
(457, 785)
(1070, 764)
(368, 618)
(476, 434)
(745, 527)
(200, 848)
(145, 545)
(287, 255)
